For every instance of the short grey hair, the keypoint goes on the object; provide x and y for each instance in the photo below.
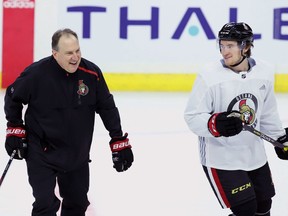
(58, 34)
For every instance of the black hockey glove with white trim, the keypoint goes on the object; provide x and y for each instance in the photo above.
(122, 154)
(16, 140)
(283, 153)
(225, 124)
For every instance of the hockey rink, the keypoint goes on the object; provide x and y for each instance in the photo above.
(166, 178)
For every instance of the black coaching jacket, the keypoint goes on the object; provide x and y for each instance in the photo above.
(61, 107)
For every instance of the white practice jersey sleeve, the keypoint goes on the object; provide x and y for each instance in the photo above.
(219, 89)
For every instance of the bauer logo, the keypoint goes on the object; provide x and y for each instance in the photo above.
(24, 4)
(120, 145)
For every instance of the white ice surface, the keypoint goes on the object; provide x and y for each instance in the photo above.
(166, 178)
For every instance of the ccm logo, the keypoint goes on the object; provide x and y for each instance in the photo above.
(241, 188)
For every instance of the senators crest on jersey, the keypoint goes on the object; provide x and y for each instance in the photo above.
(82, 88)
(247, 105)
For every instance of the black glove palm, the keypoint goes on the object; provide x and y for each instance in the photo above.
(282, 153)
(122, 154)
(225, 124)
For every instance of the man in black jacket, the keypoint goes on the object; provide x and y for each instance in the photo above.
(62, 93)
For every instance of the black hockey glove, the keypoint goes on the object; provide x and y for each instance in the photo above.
(225, 124)
(16, 140)
(122, 154)
(283, 153)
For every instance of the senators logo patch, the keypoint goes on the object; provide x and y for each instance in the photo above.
(247, 105)
(82, 88)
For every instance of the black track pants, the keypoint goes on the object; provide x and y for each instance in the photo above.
(73, 188)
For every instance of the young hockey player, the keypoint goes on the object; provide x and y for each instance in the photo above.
(234, 160)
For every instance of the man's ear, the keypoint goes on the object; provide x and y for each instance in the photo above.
(54, 53)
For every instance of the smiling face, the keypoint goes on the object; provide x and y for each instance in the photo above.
(235, 55)
(68, 54)
(231, 52)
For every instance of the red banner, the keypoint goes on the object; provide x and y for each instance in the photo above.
(18, 38)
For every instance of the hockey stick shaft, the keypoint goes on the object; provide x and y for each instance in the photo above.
(265, 137)
(7, 166)
(258, 133)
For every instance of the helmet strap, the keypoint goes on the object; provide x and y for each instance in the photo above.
(243, 58)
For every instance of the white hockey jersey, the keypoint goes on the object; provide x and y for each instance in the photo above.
(218, 89)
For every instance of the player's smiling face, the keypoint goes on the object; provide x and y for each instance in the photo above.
(230, 51)
(68, 55)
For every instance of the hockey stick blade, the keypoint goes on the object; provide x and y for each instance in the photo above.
(265, 137)
(7, 166)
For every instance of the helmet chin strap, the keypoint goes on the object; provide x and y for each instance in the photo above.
(234, 65)
(243, 58)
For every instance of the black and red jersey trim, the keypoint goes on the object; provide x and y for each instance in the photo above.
(89, 71)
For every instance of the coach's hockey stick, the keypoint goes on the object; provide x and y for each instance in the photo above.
(7, 166)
